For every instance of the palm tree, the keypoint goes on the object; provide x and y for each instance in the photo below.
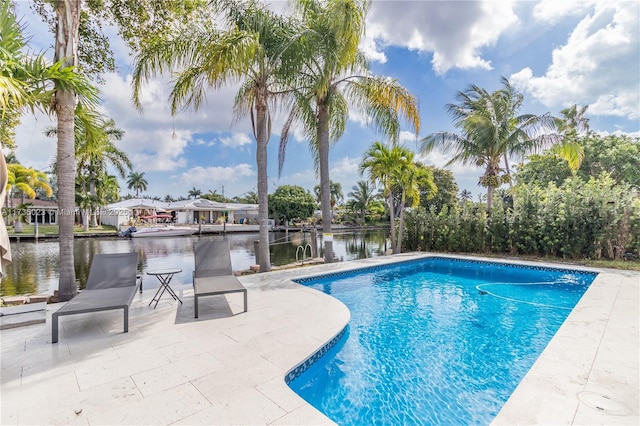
(95, 151)
(28, 81)
(572, 124)
(411, 177)
(137, 182)
(258, 49)
(384, 164)
(64, 104)
(26, 181)
(194, 193)
(491, 131)
(335, 75)
(335, 190)
(108, 189)
(362, 193)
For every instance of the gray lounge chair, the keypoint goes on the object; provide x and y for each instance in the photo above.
(112, 283)
(213, 274)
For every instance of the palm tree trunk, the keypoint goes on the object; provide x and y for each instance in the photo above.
(506, 166)
(93, 211)
(392, 219)
(325, 190)
(66, 48)
(489, 197)
(398, 248)
(262, 138)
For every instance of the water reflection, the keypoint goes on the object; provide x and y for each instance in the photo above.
(36, 263)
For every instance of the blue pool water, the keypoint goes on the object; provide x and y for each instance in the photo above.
(435, 341)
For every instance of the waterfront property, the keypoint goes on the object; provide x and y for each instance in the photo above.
(199, 210)
(31, 211)
(226, 369)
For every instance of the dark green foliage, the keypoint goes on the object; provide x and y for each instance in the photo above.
(592, 219)
(617, 155)
(447, 192)
(291, 202)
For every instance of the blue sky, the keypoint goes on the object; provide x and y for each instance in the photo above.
(557, 53)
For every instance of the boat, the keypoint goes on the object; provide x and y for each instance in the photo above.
(158, 231)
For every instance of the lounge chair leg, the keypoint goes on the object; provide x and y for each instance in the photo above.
(54, 328)
(245, 300)
(196, 305)
(126, 319)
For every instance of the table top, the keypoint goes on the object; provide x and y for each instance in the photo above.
(164, 271)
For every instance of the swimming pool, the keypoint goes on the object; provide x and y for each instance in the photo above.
(435, 341)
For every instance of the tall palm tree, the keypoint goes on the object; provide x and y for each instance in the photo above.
(384, 163)
(258, 49)
(64, 103)
(137, 182)
(335, 77)
(363, 194)
(410, 177)
(28, 81)
(491, 131)
(95, 150)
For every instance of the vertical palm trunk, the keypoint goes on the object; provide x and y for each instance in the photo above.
(489, 197)
(66, 48)
(506, 165)
(262, 138)
(93, 211)
(325, 190)
(398, 247)
(392, 219)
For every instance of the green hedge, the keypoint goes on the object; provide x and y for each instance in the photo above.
(598, 219)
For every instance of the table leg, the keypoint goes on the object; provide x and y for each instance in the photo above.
(164, 285)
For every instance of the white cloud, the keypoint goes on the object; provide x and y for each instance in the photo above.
(204, 176)
(236, 140)
(552, 11)
(598, 66)
(33, 149)
(454, 31)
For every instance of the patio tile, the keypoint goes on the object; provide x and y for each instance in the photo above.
(176, 373)
(94, 375)
(165, 407)
(277, 390)
(257, 410)
(197, 343)
(304, 415)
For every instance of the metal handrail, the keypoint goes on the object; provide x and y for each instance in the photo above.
(304, 252)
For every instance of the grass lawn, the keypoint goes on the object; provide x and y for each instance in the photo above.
(53, 230)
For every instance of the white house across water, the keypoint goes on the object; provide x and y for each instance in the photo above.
(185, 212)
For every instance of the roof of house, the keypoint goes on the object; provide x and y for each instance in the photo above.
(196, 204)
(32, 203)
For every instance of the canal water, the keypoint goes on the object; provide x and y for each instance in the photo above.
(35, 266)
